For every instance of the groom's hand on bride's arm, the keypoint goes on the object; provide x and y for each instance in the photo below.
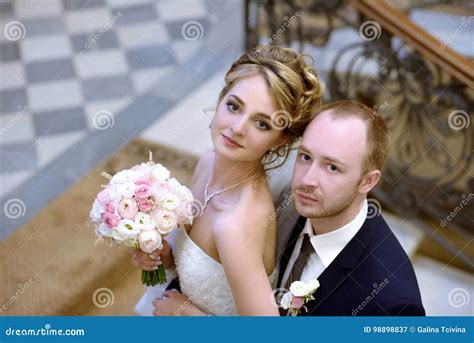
(174, 303)
(150, 262)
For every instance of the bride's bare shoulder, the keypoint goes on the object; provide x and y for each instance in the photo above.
(254, 205)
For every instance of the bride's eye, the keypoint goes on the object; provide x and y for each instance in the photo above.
(233, 107)
(262, 125)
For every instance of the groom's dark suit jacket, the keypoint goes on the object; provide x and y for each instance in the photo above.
(371, 276)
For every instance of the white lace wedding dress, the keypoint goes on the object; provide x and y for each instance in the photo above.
(202, 279)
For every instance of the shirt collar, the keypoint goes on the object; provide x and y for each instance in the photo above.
(329, 245)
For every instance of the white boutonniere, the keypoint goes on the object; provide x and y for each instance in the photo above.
(299, 294)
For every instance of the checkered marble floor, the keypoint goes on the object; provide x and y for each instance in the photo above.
(71, 70)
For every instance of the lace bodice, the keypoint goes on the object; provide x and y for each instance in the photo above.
(203, 279)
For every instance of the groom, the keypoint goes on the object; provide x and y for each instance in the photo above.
(360, 265)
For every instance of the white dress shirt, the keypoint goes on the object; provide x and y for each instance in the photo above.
(327, 246)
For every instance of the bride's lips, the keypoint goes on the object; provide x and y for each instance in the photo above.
(230, 142)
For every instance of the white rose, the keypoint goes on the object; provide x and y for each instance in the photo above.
(160, 173)
(104, 230)
(131, 241)
(114, 193)
(312, 285)
(170, 202)
(119, 236)
(96, 211)
(299, 289)
(123, 176)
(185, 193)
(128, 227)
(285, 301)
(185, 213)
(127, 189)
(150, 241)
(144, 222)
(165, 220)
(174, 185)
(142, 170)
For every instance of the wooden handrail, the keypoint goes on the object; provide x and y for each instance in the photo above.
(397, 23)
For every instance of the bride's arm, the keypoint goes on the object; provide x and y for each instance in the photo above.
(240, 242)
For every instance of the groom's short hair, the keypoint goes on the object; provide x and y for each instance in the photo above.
(377, 131)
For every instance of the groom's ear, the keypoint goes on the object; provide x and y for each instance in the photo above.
(368, 181)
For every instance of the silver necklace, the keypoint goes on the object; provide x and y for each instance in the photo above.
(208, 197)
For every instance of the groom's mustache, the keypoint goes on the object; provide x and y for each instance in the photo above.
(308, 191)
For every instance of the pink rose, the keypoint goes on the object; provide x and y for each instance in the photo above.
(103, 196)
(142, 191)
(110, 219)
(142, 181)
(128, 208)
(145, 205)
(150, 241)
(297, 302)
(109, 206)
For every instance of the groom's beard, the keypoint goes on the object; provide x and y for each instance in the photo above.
(323, 210)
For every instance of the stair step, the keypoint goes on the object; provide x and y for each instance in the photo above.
(445, 291)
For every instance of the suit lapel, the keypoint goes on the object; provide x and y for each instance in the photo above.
(289, 246)
(340, 269)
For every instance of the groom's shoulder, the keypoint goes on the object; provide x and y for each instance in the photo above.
(384, 256)
(384, 243)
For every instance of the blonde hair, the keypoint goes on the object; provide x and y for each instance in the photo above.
(294, 85)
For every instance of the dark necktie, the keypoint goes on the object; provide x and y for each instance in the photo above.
(306, 250)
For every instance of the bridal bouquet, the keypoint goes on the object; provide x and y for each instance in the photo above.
(138, 207)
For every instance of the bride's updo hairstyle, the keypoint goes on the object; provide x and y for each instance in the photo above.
(294, 86)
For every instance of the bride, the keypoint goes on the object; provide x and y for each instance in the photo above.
(226, 260)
